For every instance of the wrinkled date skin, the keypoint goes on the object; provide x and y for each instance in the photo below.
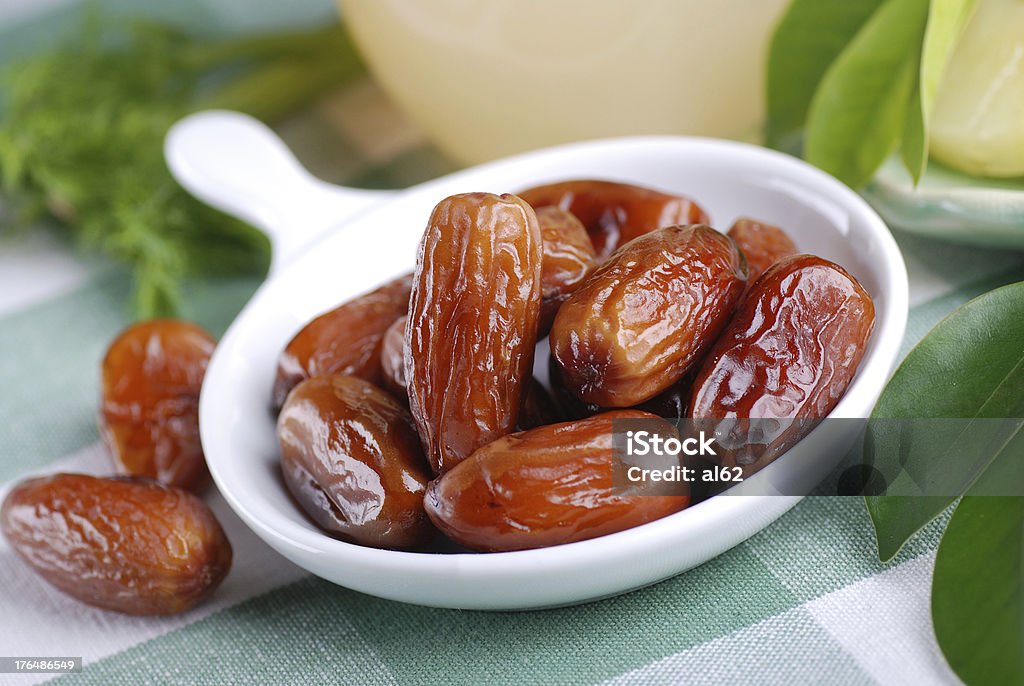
(124, 544)
(472, 323)
(762, 244)
(149, 401)
(789, 353)
(346, 340)
(351, 458)
(568, 403)
(616, 213)
(537, 407)
(672, 403)
(643, 318)
(568, 258)
(543, 487)
(392, 360)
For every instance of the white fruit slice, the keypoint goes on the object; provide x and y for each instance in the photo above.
(978, 123)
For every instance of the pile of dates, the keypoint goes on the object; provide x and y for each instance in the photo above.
(411, 412)
(142, 542)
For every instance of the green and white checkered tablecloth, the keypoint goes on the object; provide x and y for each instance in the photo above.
(803, 602)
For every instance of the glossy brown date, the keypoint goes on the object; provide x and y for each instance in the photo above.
(149, 401)
(543, 487)
(643, 318)
(392, 360)
(472, 327)
(616, 213)
(345, 340)
(789, 353)
(568, 258)
(672, 403)
(568, 403)
(537, 407)
(124, 544)
(762, 244)
(351, 458)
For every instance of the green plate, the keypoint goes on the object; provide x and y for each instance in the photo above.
(950, 206)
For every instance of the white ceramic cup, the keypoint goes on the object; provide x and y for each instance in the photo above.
(489, 79)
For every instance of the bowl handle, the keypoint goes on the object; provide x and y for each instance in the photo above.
(238, 165)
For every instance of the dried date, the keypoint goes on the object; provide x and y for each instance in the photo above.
(672, 403)
(537, 407)
(568, 403)
(124, 544)
(392, 360)
(345, 340)
(149, 401)
(472, 327)
(568, 258)
(615, 213)
(352, 460)
(788, 354)
(762, 244)
(547, 486)
(643, 318)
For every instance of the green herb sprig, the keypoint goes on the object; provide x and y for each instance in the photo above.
(82, 130)
(857, 79)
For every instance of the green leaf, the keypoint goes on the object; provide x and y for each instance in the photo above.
(914, 142)
(969, 367)
(858, 112)
(807, 40)
(897, 518)
(978, 591)
(946, 20)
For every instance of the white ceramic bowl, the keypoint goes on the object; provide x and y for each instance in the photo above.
(331, 244)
